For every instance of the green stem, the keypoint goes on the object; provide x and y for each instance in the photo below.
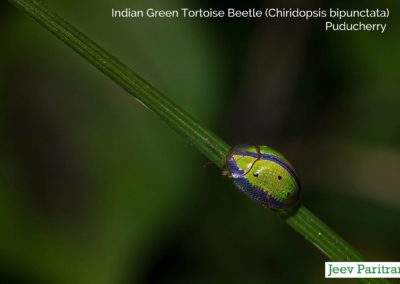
(315, 231)
(302, 220)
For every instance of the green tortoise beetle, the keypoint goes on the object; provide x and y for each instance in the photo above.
(264, 175)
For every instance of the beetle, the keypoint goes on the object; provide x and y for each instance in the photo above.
(264, 175)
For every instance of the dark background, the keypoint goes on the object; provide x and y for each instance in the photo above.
(96, 189)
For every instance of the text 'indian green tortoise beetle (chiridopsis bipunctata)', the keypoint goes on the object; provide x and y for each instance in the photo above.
(264, 175)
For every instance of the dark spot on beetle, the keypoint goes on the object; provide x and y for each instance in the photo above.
(255, 174)
(279, 177)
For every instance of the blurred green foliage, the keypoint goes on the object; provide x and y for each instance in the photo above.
(95, 189)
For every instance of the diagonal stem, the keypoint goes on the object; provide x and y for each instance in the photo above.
(300, 219)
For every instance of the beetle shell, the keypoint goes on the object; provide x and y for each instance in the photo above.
(264, 175)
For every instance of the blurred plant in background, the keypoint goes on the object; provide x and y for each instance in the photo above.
(95, 189)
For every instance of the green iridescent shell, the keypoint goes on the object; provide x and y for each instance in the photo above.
(264, 175)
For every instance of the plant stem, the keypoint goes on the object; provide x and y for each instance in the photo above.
(310, 226)
(301, 219)
(206, 141)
